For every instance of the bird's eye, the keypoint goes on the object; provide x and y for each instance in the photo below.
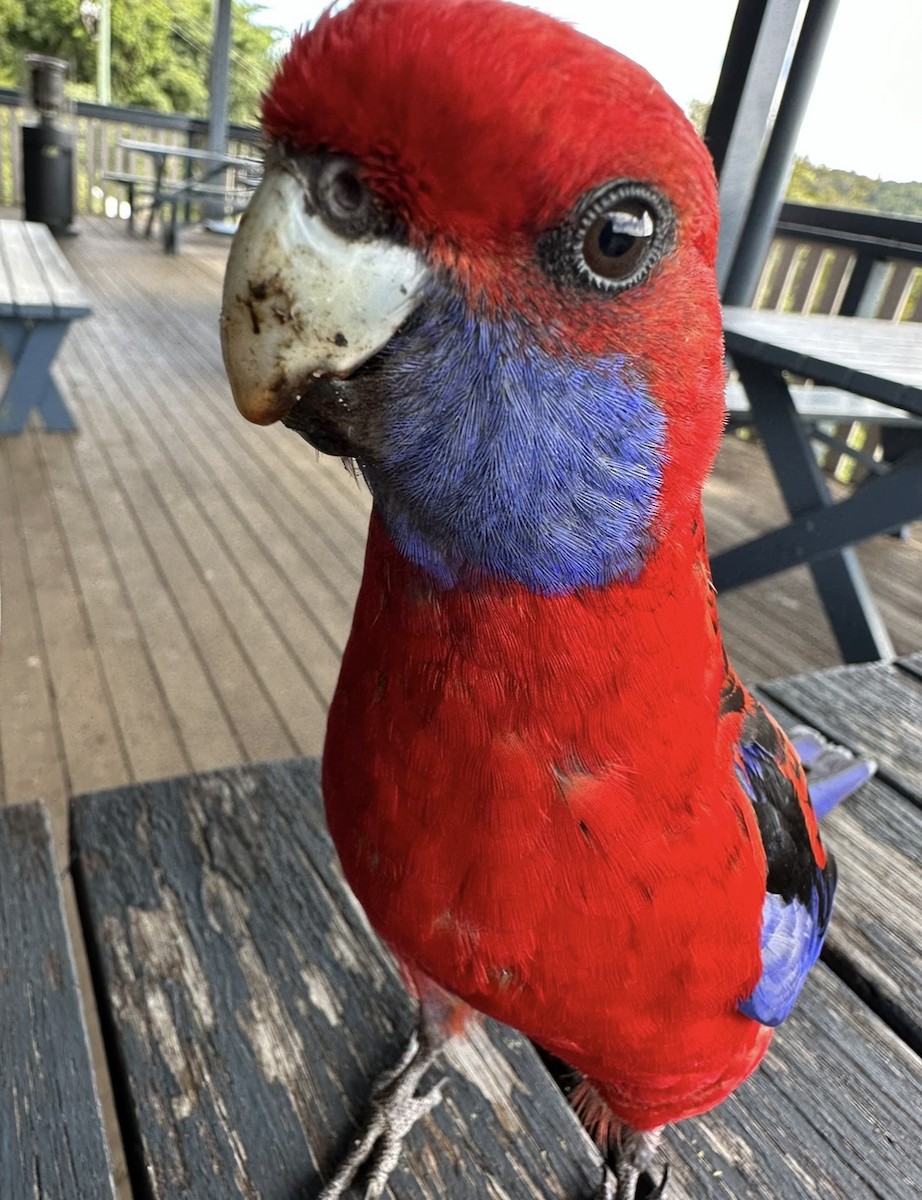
(340, 192)
(346, 203)
(623, 229)
(616, 236)
(617, 243)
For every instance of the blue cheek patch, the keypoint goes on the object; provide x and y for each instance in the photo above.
(501, 459)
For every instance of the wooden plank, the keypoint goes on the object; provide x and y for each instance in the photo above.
(257, 577)
(228, 514)
(879, 359)
(51, 1141)
(215, 601)
(32, 761)
(25, 292)
(875, 939)
(139, 706)
(88, 729)
(64, 288)
(836, 281)
(250, 1006)
(874, 709)
(321, 508)
(133, 525)
(828, 404)
(833, 1112)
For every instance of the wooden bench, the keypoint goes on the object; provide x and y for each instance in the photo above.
(246, 1005)
(815, 404)
(39, 297)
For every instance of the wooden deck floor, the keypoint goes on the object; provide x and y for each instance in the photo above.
(177, 585)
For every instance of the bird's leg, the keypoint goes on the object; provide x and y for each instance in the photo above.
(633, 1150)
(395, 1109)
(630, 1179)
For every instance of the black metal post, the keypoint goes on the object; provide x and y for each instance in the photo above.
(747, 21)
(768, 195)
(763, 34)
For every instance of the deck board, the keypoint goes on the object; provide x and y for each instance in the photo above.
(113, 625)
(178, 585)
(90, 737)
(32, 758)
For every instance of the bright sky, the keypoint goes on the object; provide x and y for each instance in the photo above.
(865, 113)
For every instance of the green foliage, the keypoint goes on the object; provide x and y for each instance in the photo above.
(831, 188)
(812, 184)
(160, 51)
(698, 113)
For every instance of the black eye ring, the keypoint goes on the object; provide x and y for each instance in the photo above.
(622, 231)
(340, 193)
(343, 199)
(616, 236)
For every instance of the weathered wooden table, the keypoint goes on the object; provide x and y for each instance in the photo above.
(874, 359)
(203, 172)
(246, 1005)
(39, 297)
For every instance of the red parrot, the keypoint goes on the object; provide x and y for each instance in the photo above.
(481, 265)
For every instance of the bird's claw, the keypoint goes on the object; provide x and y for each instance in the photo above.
(631, 1186)
(658, 1190)
(395, 1109)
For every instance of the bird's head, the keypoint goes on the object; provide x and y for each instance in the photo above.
(481, 262)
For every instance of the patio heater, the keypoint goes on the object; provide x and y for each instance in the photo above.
(48, 145)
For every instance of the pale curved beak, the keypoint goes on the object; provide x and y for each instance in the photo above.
(302, 303)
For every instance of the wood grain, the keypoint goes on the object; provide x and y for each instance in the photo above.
(51, 1141)
(880, 359)
(251, 1006)
(872, 708)
(875, 938)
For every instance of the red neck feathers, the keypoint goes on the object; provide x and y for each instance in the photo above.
(575, 676)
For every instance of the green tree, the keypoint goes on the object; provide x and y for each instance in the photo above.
(813, 184)
(160, 56)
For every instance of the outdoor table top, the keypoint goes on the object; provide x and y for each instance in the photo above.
(876, 360)
(879, 359)
(246, 1004)
(158, 150)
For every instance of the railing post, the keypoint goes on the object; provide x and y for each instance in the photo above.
(745, 260)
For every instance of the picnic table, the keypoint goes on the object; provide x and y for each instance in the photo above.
(203, 175)
(40, 295)
(246, 1005)
(867, 360)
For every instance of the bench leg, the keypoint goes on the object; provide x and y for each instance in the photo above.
(32, 347)
(169, 218)
(840, 581)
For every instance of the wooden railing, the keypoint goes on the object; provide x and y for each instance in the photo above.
(98, 129)
(849, 263)
(828, 260)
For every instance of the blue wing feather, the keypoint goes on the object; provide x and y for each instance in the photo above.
(792, 937)
(799, 888)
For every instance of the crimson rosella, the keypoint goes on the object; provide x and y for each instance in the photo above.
(480, 264)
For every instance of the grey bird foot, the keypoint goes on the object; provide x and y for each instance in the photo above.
(395, 1109)
(631, 1184)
